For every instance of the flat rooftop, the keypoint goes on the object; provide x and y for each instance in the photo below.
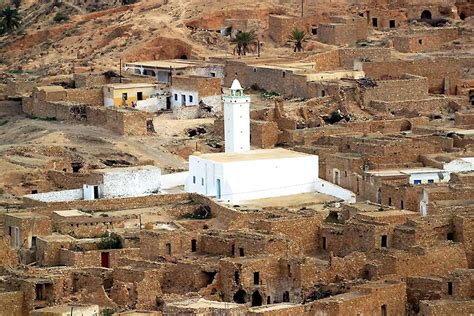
(71, 213)
(129, 85)
(203, 303)
(174, 63)
(125, 169)
(259, 154)
(403, 172)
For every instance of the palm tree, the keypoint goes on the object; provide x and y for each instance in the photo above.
(298, 37)
(9, 19)
(242, 40)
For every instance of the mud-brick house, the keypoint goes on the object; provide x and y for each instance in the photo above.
(196, 90)
(142, 96)
(24, 227)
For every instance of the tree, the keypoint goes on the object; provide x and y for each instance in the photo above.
(298, 37)
(16, 3)
(243, 40)
(9, 19)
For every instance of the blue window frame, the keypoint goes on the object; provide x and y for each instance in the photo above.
(417, 182)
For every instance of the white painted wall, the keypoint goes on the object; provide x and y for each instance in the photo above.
(173, 179)
(58, 196)
(153, 104)
(237, 123)
(109, 102)
(254, 179)
(424, 177)
(214, 101)
(326, 187)
(130, 182)
(459, 165)
(186, 93)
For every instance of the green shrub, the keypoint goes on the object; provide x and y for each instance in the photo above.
(60, 17)
(109, 241)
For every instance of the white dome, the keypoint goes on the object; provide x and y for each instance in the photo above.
(236, 85)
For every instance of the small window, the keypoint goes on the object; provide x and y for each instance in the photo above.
(430, 181)
(324, 243)
(256, 278)
(255, 70)
(389, 201)
(168, 249)
(417, 182)
(402, 206)
(124, 96)
(33, 241)
(450, 288)
(383, 310)
(34, 191)
(241, 252)
(139, 96)
(213, 74)
(175, 97)
(375, 22)
(284, 74)
(190, 98)
(383, 241)
(450, 236)
(193, 245)
(202, 181)
(314, 30)
(392, 24)
(420, 41)
(194, 179)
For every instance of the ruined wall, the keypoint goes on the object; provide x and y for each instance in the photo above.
(348, 55)
(437, 70)
(407, 88)
(371, 299)
(446, 307)
(263, 134)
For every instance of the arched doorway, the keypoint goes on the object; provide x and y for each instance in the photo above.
(239, 297)
(462, 16)
(184, 56)
(426, 15)
(256, 299)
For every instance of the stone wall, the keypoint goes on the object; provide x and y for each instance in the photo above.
(425, 40)
(92, 258)
(11, 304)
(437, 70)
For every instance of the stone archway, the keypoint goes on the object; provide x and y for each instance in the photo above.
(240, 297)
(257, 299)
(426, 15)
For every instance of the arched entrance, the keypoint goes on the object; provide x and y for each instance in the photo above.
(184, 56)
(426, 15)
(239, 297)
(256, 299)
(462, 16)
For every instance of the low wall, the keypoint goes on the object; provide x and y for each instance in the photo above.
(108, 204)
(80, 259)
(119, 121)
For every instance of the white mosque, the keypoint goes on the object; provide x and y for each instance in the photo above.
(241, 174)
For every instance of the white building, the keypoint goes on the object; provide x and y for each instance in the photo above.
(464, 164)
(242, 174)
(415, 176)
(237, 119)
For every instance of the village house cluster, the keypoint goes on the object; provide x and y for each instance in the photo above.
(334, 181)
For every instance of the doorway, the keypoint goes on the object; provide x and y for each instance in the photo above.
(218, 189)
(139, 96)
(426, 15)
(256, 299)
(96, 192)
(105, 260)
